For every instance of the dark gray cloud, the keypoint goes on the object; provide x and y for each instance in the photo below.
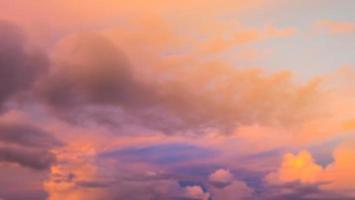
(27, 135)
(27, 145)
(92, 79)
(35, 159)
(20, 67)
(93, 70)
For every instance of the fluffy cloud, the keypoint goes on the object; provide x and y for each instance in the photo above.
(300, 167)
(88, 68)
(221, 178)
(339, 173)
(89, 71)
(147, 68)
(196, 192)
(226, 187)
(20, 66)
(335, 177)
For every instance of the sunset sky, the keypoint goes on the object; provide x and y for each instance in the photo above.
(177, 100)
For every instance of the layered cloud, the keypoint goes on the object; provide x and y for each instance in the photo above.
(26, 145)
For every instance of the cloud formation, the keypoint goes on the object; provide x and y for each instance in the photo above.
(175, 100)
(299, 167)
(221, 178)
(35, 159)
(26, 135)
(20, 66)
(90, 72)
(335, 177)
(225, 186)
(336, 27)
(27, 145)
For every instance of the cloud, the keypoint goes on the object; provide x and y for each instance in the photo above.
(35, 159)
(90, 72)
(121, 73)
(26, 145)
(300, 167)
(27, 135)
(224, 186)
(339, 173)
(88, 176)
(300, 191)
(196, 192)
(335, 27)
(20, 66)
(335, 177)
(236, 190)
(221, 41)
(21, 183)
(221, 178)
(84, 179)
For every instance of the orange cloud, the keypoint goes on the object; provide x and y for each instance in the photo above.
(335, 27)
(337, 176)
(299, 167)
(341, 172)
(241, 36)
(196, 192)
(47, 20)
(90, 70)
(149, 65)
(75, 164)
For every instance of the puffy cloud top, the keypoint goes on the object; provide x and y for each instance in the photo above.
(221, 178)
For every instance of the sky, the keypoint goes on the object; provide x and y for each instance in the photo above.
(177, 100)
